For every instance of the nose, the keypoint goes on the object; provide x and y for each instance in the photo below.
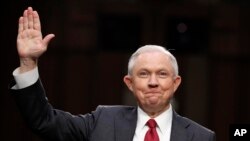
(153, 82)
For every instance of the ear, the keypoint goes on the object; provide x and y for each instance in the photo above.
(128, 81)
(177, 82)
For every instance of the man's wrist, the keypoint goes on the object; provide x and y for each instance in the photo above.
(27, 64)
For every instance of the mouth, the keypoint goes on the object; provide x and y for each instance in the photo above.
(153, 93)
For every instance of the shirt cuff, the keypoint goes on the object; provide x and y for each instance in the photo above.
(26, 79)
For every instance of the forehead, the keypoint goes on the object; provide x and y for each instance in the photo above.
(152, 60)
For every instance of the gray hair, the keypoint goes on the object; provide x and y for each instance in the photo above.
(152, 48)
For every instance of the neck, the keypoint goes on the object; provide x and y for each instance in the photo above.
(153, 113)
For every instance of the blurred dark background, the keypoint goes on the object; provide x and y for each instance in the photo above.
(85, 63)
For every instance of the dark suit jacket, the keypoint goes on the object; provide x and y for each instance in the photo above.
(106, 123)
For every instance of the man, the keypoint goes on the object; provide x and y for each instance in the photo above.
(152, 77)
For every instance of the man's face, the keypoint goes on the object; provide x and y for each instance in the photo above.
(153, 82)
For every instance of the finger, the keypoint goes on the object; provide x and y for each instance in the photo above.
(30, 18)
(48, 38)
(25, 20)
(20, 25)
(37, 24)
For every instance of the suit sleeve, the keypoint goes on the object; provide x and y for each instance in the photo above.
(47, 122)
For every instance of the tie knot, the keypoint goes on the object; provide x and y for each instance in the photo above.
(151, 123)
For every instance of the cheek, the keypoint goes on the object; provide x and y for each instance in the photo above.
(139, 88)
(167, 85)
(140, 84)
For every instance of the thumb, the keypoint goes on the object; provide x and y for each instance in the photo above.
(48, 38)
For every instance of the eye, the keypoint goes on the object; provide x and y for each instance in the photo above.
(143, 74)
(162, 74)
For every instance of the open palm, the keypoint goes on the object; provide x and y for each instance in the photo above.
(30, 43)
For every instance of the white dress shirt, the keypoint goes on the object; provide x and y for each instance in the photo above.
(164, 124)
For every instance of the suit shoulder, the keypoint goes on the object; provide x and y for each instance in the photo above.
(194, 125)
(194, 130)
(198, 126)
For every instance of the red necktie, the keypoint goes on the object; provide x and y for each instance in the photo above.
(151, 134)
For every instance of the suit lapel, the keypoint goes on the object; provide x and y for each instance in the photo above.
(125, 124)
(179, 129)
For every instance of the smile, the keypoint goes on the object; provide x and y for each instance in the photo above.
(153, 93)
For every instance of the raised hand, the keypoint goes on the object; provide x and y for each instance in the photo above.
(30, 42)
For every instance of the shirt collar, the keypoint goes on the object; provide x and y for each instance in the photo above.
(164, 120)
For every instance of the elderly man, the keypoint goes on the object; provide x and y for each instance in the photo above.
(152, 77)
